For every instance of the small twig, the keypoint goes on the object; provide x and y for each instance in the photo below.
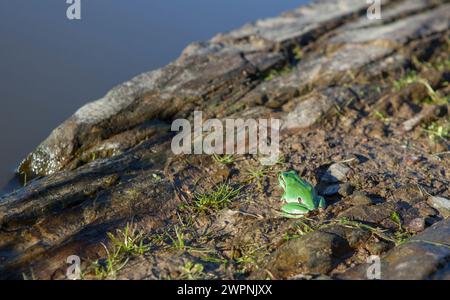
(250, 215)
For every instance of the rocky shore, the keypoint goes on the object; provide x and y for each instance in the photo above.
(364, 109)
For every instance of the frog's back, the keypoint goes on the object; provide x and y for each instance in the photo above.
(306, 185)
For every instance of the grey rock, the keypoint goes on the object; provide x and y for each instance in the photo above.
(308, 111)
(319, 72)
(336, 172)
(436, 20)
(297, 23)
(441, 204)
(355, 237)
(395, 11)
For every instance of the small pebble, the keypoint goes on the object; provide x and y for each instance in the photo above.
(416, 225)
(441, 204)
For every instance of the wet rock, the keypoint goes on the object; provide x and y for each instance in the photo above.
(441, 204)
(317, 252)
(360, 198)
(397, 31)
(424, 256)
(336, 172)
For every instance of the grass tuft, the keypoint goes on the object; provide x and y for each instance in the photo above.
(224, 159)
(256, 175)
(437, 132)
(178, 241)
(124, 244)
(409, 78)
(278, 72)
(219, 198)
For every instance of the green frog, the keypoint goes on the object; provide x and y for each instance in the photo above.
(301, 197)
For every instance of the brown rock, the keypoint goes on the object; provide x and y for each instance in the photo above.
(416, 225)
(317, 252)
(360, 198)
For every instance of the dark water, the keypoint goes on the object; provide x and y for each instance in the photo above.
(50, 66)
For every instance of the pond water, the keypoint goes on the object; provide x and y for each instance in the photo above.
(50, 66)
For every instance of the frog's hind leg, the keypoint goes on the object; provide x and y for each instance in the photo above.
(294, 210)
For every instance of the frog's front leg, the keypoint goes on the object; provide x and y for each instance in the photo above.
(294, 210)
